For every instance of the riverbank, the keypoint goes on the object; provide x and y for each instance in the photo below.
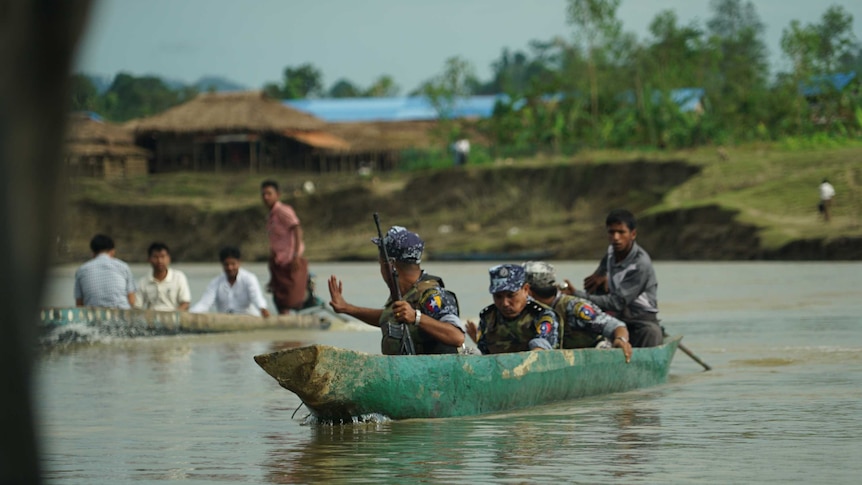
(748, 203)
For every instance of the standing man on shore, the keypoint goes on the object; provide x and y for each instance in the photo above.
(624, 285)
(827, 192)
(165, 289)
(288, 269)
(104, 281)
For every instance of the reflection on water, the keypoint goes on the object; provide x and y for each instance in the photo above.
(590, 442)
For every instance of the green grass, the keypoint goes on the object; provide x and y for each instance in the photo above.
(771, 185)
(776, 189)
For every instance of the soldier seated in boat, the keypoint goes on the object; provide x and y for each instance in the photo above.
(428, 309)
(515, 322)
(582, 323)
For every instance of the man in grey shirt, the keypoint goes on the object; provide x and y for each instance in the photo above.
(104, 281)
(624, 285)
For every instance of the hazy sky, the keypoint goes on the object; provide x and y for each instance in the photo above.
(251, 41)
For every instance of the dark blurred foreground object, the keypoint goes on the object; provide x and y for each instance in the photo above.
(37, 42)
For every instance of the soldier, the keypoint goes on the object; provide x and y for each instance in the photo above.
(426, 306)
(583, 324)
(515, 322)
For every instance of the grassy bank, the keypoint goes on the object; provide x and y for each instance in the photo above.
(510, 204)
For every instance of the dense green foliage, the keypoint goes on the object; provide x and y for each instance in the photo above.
(127, 97)
(605, 88)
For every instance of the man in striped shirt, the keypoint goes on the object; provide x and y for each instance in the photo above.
(104, 281)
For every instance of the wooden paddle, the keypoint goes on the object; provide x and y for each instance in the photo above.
(689, 353)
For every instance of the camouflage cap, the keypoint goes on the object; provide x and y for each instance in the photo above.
(540, 274)
(506, 277)
(402, 245)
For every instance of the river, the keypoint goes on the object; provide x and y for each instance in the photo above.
(783, 402)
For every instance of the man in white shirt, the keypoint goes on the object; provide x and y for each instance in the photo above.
(234, 291)
(165, 289)
(462, 151)
(827, 192)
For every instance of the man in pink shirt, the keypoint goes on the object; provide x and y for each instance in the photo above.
(288, 269)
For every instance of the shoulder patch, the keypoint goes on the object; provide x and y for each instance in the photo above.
(537, 308)
(585, 311)
(488, 309)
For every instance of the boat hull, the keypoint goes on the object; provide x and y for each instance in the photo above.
(173, 322)
(338, 384)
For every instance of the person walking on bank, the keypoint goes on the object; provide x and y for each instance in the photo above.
(624, 285)
(827, 192)
(165, 289)
(104, 281)
(288, 269)
(236, 290)
(428, 309)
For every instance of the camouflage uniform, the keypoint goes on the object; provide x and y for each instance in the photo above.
(535, 327)
(583, 322)
(429, 296)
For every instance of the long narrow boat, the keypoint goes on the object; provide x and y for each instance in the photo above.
(157, 322)
(339, 385)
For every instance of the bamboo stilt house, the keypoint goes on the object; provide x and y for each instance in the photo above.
(98, 149)
(235, 131)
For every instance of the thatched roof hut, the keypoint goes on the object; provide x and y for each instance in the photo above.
(247, 111)
(96, 148)
(234, 131)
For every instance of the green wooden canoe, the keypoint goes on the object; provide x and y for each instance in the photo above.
(338, 384)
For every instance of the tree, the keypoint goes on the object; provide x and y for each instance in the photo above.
(674, 56)
(299, 82)
(383, 87)
(132, 97)
(443, 92)
(817, 49)
(344, 89)
(597, 26)
(738, 66)
(454, 82)
(837, 40)
(800, 44)
(85, 95)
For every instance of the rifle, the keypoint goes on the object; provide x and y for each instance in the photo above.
(394, 294)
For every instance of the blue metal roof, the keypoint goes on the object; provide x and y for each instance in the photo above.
(817, 84)
(391, 109)
(688, 99)
(411, 108)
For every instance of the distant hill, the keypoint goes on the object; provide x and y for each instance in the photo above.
(203, 84)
